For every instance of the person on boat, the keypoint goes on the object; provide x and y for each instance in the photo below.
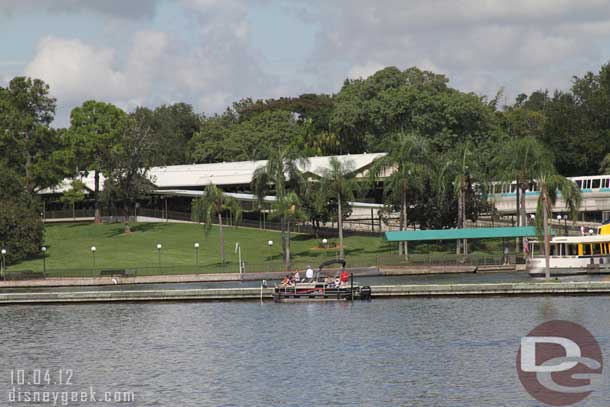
(344, 277)
(286, 281)
(309, 274)
(297, 277)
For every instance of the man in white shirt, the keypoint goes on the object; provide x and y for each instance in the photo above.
(309, 274)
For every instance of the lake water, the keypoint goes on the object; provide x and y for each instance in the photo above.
(398, 352)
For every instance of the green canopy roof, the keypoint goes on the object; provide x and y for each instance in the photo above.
(453, 234)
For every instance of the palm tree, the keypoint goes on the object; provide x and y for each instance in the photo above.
(281, 173)
(214, 203)
(522, 160)
(549, 184)
(288, 208)
(405, 169)
(337, 182)
(461, 168)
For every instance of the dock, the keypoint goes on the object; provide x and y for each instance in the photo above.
(85, 295)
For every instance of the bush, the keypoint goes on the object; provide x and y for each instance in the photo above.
(21, 229)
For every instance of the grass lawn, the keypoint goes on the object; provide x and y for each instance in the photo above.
(69, 249)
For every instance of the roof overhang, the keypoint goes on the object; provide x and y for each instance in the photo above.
(455, 234)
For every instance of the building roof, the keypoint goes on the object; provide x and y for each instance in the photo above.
(226, 173)
(454, 234)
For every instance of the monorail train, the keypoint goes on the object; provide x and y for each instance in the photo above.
(595, 206)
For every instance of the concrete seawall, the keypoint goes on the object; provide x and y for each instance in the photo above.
(222, 277)
(226, 294)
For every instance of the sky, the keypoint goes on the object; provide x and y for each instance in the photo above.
(210, 53)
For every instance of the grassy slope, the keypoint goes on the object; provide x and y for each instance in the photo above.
(69, 247)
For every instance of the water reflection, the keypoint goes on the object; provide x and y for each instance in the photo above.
(416, 352)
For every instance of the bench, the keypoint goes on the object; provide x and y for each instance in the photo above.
(23, 275)
(113, 273)
(117, 273)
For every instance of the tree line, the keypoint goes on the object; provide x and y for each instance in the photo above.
(440, 142)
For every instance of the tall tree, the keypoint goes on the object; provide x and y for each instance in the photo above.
(522, 160)
(213, 204)
(338, 183)
(94, 132)
(29, 145)
(404, 169)
(282, 174)
(549, 184)
(127, 170)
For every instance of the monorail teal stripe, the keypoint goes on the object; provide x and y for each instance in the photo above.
(453, 234)
(528, 193)
(586, 190)
(604, 190)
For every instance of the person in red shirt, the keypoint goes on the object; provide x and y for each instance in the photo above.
(344, 277)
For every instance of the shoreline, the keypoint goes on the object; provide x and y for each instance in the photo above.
(266, 294)
(254, 276)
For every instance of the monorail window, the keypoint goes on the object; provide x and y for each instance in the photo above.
(605, 183)
(513, 187)
(595, 183)
(579, 183)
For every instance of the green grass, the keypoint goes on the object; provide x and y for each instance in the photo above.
(69, 249)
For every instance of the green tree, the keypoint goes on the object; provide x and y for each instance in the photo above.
(94, 132)
(522, 160)
(288, 208)
(282, 174)
(28, 144)
(404, 169)
(213, 204)
(21, 228)
(73, 195)
(130, 159)
(549, 184)
(338, 183)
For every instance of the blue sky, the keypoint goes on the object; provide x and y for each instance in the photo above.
(212, 52)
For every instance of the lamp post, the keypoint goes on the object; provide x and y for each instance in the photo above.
(159, 247)
(44, 259)
(270, 244)
(196, 245)
(2, 269)
(591, 231)
(238, 251)
(93, 250)
(325, 243)
(533, 218)
(565, 224)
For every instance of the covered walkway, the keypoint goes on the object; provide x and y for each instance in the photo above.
(458, 234)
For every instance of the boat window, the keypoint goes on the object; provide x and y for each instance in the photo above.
(597, 249)
(586, 249)
(595, 183)
(572, 250)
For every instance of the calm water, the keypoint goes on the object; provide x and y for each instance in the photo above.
(403, 352)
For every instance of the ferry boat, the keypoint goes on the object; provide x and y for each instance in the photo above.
(323, 287)
(571, 255)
